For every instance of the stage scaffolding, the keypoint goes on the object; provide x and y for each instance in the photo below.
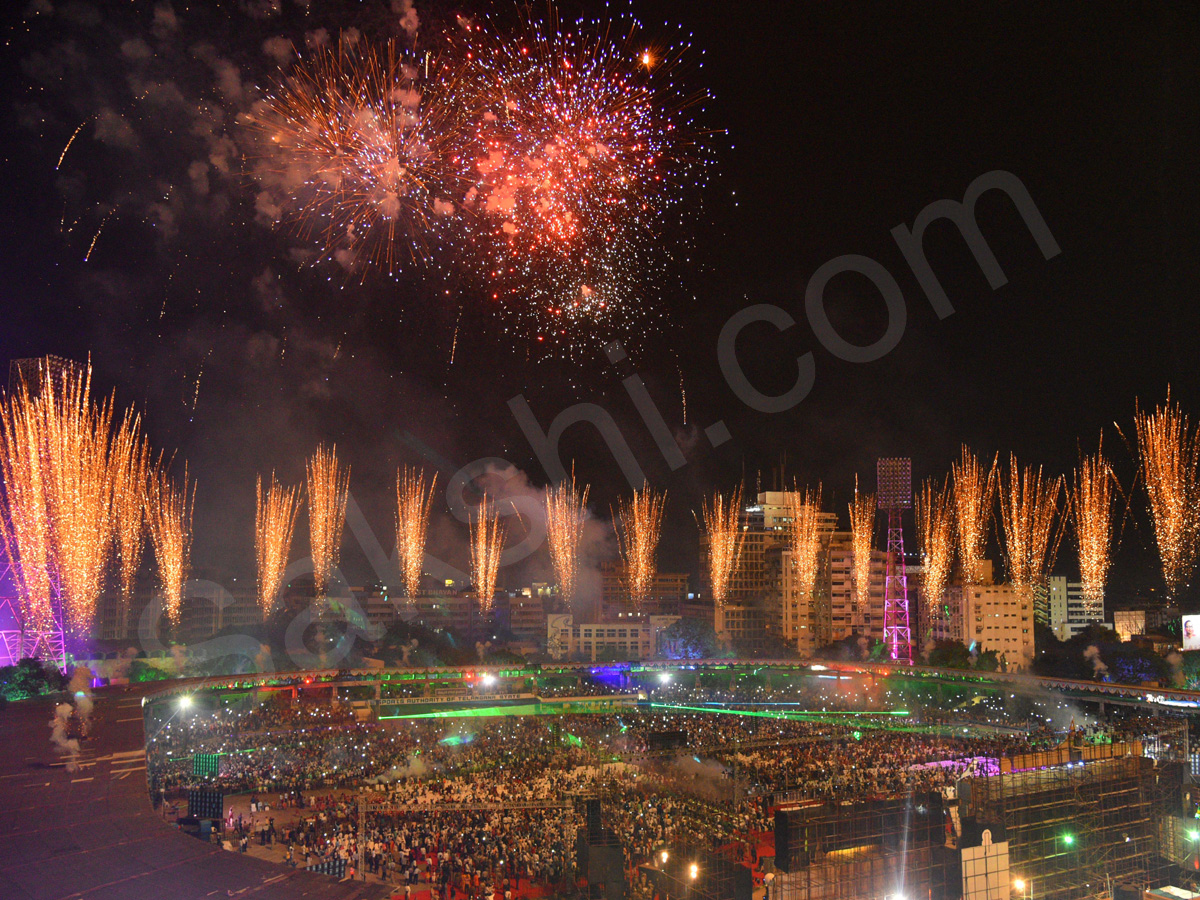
(868, 848)
(1086, 818)
(1079, 821)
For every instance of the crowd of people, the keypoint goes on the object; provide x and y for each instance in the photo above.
(477, 807)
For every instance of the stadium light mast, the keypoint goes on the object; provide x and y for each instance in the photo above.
(894, 493)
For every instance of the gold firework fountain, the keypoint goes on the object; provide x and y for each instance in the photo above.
(1169, 451)
(804, 542)
(276, 509)
(131, 479)
(1029, 515)
(414, 498)
(566, 514)
(328, 487)
(722, 517)
(974, 499)
(935, 535)
(169, 510)
(640, 525)
(487, 545)
(1091, 505)
(862, 537)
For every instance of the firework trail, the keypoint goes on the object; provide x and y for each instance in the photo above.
(366, 152)
(935, 534)
(487, 543)
(328, 489)
(1028, 513)
(640, 525)
(974, 499)
(1169, 451)
(804, 537)
(70, 141)
(274, 523)
(862, 537)
(414, 498)
(131, 478)
(169, 511)
(1091, 505)
(722, 517)
(566, 515)
(92, 246)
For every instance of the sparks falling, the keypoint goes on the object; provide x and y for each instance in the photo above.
(974, 499)
(487, 545)
(414, 499)
(722, 517)
(1029, 514)
(566, 515)
(804, 537)
(275, 514)
(640, 525)
(1169, 451)
(328, 489)
(1091, 506)
(862, 538)
(935, 535)
(169, 510)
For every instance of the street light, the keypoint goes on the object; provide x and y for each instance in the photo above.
(1024, 887)
(693, 871)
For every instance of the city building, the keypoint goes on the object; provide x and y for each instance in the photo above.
(1068, 613)
(527, 620)
(1129, 622)
(209, 609)
(666, 595)
(604, 641)
(999, 617)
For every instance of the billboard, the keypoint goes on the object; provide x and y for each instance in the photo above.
(1191, 632)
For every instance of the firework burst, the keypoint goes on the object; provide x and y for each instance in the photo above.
(566, 515)
(414, 499)
(862, 539)
(1028, 514)
(1169, 448)
(487, 545)
(361, 147)
(1091, 505)
(974, 499)
(804, 537)
(640, 525)
(935, 534)
(328, 487)
(274, 523)
(169, 511)
(722, 517)
(584, 148)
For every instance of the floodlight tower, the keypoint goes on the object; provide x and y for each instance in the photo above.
(894, 492)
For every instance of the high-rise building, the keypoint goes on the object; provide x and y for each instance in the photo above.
(666, 595)
(1068, 614)
(764, 599)
(999, 617)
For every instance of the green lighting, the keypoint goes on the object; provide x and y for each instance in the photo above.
(1194, 835)
(1068, 839)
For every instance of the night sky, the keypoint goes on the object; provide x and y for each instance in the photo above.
(831, 125)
